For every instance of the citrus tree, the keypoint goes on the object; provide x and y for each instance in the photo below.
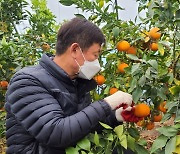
(141, 58)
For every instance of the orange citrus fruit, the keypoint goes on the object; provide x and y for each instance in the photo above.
(131, 50)
(100, 79)
(3, 84)
(123, 45)
(150, 125)
(161, 107)
(113, 90)
(154, 33)
(45, 47)
(142, 110)
(154, 46)
(140, 123)
(122, 66)
(157, 118)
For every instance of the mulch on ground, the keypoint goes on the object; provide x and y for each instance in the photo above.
(151, 135)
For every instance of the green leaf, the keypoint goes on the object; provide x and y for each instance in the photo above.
(142, 81)
(96, 96)
(177, 119)
(71, 150)
(119, 130)
(131, 142)
(166, 117)
(178, 33)
(164, 79)
(161, 93)
(96, 138)
(175, 90)
(107, 1)
(118, 7)
(177, 82)
(172, 107)
(159, 143)
(132, 57)
(79, 15)
(116, 31)
(105, 125)
(110, 136)
(178, 140)
(133, 85)
(117, 84)
(148, 73)
(168, 131)
(106, 9)
(3, 41)
(177, 14)
(93, 17)
(107, 148)
(142, 142)
(101, 3)
(134, 132)
(134, 68)
(66, 2)
(106, 90)
(1, 33)
(123, 141)
(161, 49)
(139, 149)
(153, 63)
(171, 145)
(177, 126)
(137, 94)
(84, 144)
(171, 77)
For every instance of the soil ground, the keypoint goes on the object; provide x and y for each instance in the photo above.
(151, 135)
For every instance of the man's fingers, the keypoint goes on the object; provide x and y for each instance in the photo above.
(129, 108)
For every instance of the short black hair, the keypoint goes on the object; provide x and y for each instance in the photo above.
(78, 30)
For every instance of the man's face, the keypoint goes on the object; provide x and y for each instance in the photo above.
(90, 54)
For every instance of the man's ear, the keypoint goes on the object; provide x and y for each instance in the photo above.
(74, 49)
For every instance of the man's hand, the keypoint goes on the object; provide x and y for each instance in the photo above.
(118, 98)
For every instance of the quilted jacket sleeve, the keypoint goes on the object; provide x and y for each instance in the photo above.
(41, 115)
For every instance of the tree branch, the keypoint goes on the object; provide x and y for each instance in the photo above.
(116, 4)
(174, 53)
(12, 22)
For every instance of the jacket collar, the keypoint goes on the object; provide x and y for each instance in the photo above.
(47, 63)
(82, 85)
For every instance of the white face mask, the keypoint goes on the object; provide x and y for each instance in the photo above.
(89, 69)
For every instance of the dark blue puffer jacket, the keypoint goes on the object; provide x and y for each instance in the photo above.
(47, 111)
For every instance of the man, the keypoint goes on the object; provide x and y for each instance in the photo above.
(49, 106)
